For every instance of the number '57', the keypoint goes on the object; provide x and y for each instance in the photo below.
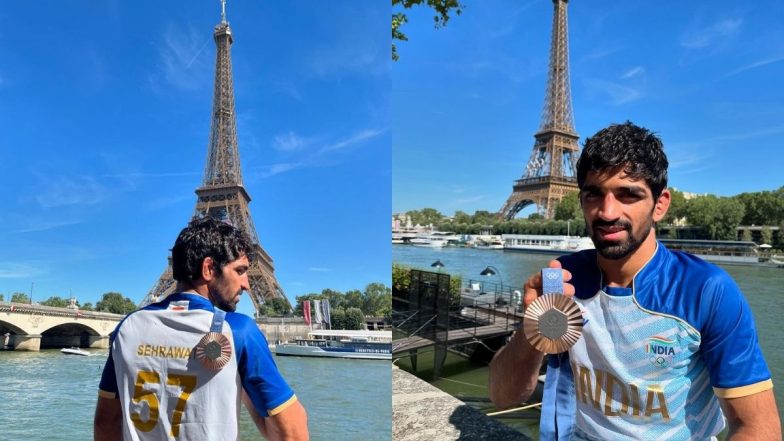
(186, 382)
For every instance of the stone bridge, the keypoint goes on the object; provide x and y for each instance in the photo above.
(26, 327)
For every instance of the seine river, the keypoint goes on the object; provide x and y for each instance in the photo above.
(51, 396)
(761, 286)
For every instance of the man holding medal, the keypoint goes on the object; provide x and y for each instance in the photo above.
(178, 369)
(665, 347)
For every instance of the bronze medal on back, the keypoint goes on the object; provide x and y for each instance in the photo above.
(213, 351)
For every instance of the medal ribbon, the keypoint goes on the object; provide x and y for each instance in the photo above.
(217, 320)
(552, 281)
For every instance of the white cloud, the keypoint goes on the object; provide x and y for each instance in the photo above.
(290, 142)
(617, 94)
(319, 269)
(35, 225)
(62, 190)
(357, 138)
(709, 35)
(323, 157)
(13, 270)
(755, 65)
(182, 63)
(633, 72)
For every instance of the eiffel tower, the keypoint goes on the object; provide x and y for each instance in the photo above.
(222, 195)
(551, 170)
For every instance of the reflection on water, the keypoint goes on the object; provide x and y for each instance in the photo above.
(51, 396)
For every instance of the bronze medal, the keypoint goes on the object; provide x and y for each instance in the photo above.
(213, 351)
(553, 322)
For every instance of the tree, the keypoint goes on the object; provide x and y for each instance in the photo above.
(56, 301)
(677, 208)
(461, 217)
(425, 216)
(87, 307)
(719, 217)
(442, 8)
(483, 217)
(763, 208)
(766, 235)
(355, 319)
(746, 235)
(338, 318)
(2, 298)
(569, 207)
(20, 297)
(274, 307)
(377, 300)
(115, 303)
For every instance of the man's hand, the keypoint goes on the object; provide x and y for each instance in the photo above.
(533, 286)
(515, 368)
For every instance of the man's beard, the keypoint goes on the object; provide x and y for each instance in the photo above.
(618, 249)
(226, 305)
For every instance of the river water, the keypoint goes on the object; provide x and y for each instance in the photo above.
(466, 379)
(51, 396)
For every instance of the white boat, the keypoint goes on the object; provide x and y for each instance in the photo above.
(373, 345)
(436, 239)
(73, 350)
(488, 243)
(539, 243)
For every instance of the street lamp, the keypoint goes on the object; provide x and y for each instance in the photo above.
(492, 271)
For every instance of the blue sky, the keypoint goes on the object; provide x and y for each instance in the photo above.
(467, 98)
(104, 122)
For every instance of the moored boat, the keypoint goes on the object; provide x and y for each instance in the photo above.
(73, 350)
(540, 243)
(374, 345)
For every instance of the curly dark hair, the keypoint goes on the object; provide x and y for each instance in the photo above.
(637, 150)
(204, 238)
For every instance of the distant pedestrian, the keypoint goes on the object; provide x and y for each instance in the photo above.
(178, 369)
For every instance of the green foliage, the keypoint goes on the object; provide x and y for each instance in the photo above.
(2, 298)
(484, 217)
(55, 301)
(20, 297)
(746, 235)
(677, 208)
(442, 8)
(115, 303)
(461, 217)
(355, 319)
(338, 318)
(763, 208)
(719, 217)
(425, 216)
(401, 280)
(274, 307)
(766, 235)
(569, 207)
(375, 300)
(87, 307)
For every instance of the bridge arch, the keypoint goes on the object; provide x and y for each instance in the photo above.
(68, 334)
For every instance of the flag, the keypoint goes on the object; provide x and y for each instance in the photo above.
(306, 311)
(325, 311)
(317, 311)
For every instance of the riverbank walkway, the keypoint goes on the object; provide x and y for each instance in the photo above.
(422, 412)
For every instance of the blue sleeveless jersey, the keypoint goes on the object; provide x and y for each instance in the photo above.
(165, 392)
(653, 358)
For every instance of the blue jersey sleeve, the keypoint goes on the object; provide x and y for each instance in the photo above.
(108, 385)
(729, 340)
(260, 377)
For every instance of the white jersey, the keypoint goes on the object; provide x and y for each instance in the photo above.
(166, 393)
